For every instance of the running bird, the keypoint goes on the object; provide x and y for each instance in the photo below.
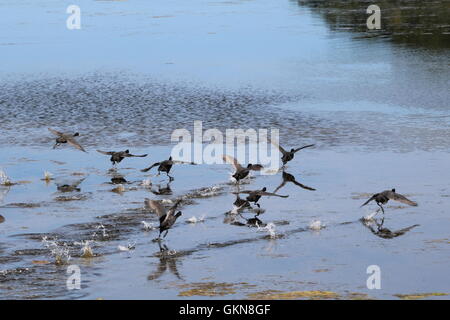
(166, 218)
(290, 178)
(165, 166)
(241, 172)
(255, 195)
(66, 138)
(289, 155)
(117, 156)
(383, 198)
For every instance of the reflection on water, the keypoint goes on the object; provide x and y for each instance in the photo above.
(377, 229)
(413, 22)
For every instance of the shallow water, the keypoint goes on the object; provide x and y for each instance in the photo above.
(376, 109)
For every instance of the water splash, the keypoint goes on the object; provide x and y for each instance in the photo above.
(269, 228)
(86, 249)
(370, 216)
(128, 247)
(48, 176)
(4, 179)
(194, 219)
(146, 183)
(59, 252)
(100, 230)
(147, 226)
(316, 225)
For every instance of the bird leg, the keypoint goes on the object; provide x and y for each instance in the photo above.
(56, 145)
(167, 231)
(382, 209)
(170, 178)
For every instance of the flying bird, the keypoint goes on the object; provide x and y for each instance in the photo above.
(165, 166)
(383, 198)
(255, 195)
(117, 156)
(287, 177)
(241, 172)
(66, 138)
(166, 218)
(289, 155)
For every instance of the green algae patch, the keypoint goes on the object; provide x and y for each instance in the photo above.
(210, 289)
(416, 296)
(279, 295)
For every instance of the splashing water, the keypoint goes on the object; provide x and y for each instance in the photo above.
(370, 216)
(146, 183)
(59, 252)
(147, 226)
(47, 176)
(4, 179)
(128, 247)
(194, 219)
(269, 228)
(86, 249)
(316, 225)
(102, 230)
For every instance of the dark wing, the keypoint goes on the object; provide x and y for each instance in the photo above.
(371, 199)
(278, 146)
(182, 162)
(270, 194)
(108, 153)
(280, 186)
(56, 133)
(135, 155)
(153, 165)
(303, 186)
(256, 167)
(398, 197)
(74, 142)
(156, 207)
(173, 208)
(232, 161)
(309, 145)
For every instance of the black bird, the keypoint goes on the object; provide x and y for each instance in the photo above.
(255, 195)
(241, 172)
(117, 156)
(166, 218)
(287, 177)
(165, 166)
(289, 155)
(383, 198)
(66, 138)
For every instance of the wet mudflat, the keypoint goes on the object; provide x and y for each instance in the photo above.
(375, 105)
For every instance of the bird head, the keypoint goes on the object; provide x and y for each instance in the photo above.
(178, 214)
(393, 190)
(249, 165)
(76, 134)
(264, 189)
(127, 151)
(292, 150)
(170, 158)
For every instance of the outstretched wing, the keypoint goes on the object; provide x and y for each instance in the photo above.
(108, 153)
(74, 143)
(398, 197)
(135, 155)
(256, 167)
(270, 194)
(153, 165)
(56, 133)
(303, 186)
(173, 208)
(156, 207)
(232, 161)
(182, 162)
(278, 146)
(371, 199)
(279, 187)
(307, 146)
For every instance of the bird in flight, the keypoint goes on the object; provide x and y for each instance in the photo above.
(383, 198)
(240, 171)
(117, 156)
(255, 195)
(166, 166)
(287, 177)
(288, 155)
(167, 218)
(66, 138)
